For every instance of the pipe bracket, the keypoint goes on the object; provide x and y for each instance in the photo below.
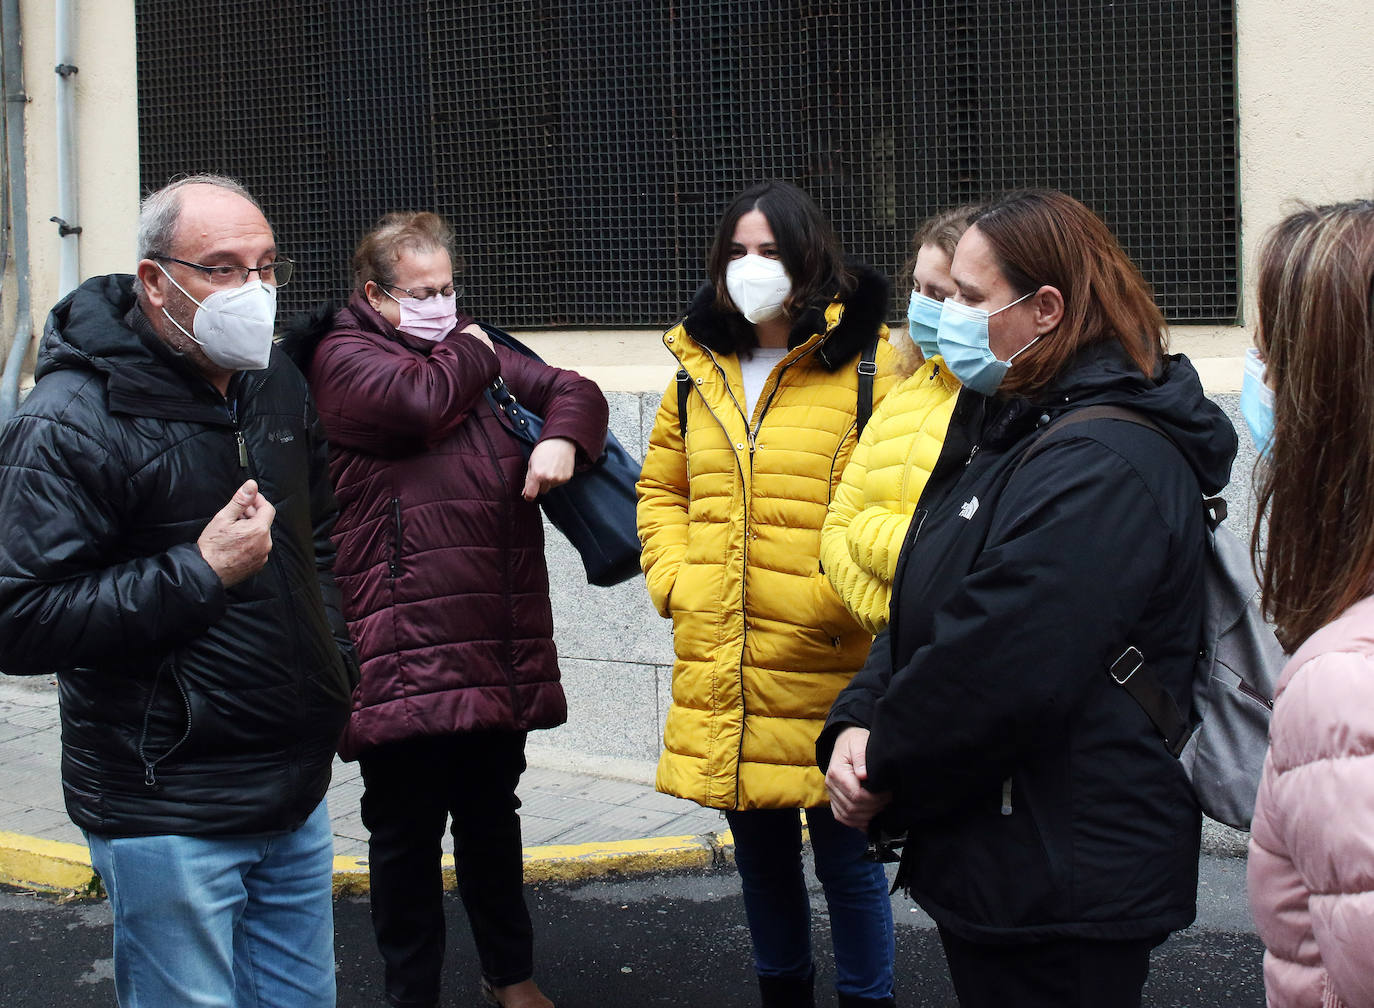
(64, 229)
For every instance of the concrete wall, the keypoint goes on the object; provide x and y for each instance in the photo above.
(106, 134)
(1306, 88)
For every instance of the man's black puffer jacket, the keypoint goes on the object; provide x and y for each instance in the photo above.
(186, 708)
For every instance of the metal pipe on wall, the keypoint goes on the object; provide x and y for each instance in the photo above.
(69, 262)
(17, 179)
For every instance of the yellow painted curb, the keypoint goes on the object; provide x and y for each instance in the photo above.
(573, 862)
(45, 864)
(52, 866)
(576, 862)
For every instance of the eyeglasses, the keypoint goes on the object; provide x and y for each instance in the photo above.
(276, 273)
(450, 289)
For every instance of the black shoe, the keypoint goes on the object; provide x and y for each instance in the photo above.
(788, 992)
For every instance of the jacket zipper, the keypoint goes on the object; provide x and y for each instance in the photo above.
(748, 500)
(748, 428)
(750, 432)
(233, 405)
(1006, 796)
(394, 565)
(275, 563)
(768, 403)
(150, 766)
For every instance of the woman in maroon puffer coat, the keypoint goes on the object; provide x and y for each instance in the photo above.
(441, 563)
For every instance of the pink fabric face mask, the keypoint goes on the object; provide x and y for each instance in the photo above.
(431, 319)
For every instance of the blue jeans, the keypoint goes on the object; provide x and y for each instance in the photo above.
(224, 921)
(768, 852)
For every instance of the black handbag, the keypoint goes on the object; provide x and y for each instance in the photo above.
(595, 509)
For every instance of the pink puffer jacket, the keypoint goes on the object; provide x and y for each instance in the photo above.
(1311, 869)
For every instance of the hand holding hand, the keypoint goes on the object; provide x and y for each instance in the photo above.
(850, 801)
(551, 465)
(237, 540)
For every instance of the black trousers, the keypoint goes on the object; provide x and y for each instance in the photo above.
(411, 790)
(1065, 973)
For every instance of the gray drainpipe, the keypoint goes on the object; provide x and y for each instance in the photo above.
(69, 260)
(15, 100)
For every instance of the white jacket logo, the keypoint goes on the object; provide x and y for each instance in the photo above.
(970, 506)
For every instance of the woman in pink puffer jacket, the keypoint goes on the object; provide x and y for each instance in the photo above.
(1309, 400)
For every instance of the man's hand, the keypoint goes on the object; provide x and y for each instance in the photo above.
(551, 465)
(851, 803)
(236, 542)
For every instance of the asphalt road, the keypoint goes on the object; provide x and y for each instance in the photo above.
(659, 940)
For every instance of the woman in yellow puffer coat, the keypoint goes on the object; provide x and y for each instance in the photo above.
(872, 509)
(776, 352)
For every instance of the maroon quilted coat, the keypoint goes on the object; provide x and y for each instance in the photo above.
(440, 560)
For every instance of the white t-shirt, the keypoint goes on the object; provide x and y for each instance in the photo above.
(755, 371)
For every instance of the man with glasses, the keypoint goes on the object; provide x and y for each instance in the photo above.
(166, 500)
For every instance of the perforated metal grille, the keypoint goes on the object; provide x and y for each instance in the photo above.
(584, 150)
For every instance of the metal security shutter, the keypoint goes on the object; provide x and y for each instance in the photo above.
(584, 150)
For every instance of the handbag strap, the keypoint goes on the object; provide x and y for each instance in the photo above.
(508, 409)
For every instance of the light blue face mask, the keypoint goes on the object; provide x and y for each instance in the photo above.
(923, 314)
(1257, 403)
(963, 339)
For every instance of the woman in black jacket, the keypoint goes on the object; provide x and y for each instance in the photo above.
(1053, 838)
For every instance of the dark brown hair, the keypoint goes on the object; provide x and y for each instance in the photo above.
(380, 249)
(807, 246)
(1044, 237)
(1316, 487)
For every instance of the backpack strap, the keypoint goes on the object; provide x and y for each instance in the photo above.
(1131, 674)
(1129, 671)
(868, 369)
(1084, 414)
(1215, 508)
(684, 388)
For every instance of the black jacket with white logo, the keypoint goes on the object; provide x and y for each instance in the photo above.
(1040, 799)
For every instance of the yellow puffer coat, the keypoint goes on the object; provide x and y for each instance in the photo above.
(872, 509)
(763, 644)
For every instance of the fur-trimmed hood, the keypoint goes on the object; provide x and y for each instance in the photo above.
(302, 332)
(865, 310)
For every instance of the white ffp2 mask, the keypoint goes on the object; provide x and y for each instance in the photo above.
(233, 327)
(757, 286)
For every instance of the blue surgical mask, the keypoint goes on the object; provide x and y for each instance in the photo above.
(963, 339)
(924, 315)
(1257, 403)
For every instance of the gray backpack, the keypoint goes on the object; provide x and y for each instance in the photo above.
(1222, 743)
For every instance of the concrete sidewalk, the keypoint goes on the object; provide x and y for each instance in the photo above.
(581, 817)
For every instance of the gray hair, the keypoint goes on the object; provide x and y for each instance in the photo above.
(160, 213)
